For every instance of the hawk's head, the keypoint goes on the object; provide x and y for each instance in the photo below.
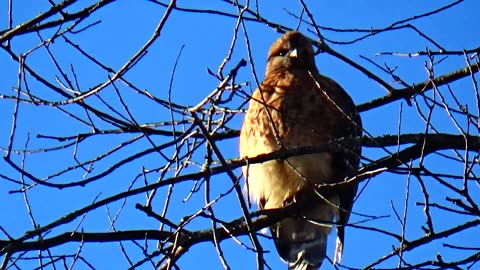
(291, 51)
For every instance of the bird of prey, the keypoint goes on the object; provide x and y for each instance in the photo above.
(295, 106)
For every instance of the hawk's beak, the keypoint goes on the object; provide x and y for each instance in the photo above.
(293, 54)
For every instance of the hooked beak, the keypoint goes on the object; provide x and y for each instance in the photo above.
(293, 54)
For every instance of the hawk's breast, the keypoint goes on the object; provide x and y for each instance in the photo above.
(279, 117)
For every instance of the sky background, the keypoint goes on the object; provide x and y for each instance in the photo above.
(124, 28)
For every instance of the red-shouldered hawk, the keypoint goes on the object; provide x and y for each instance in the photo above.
(296, 106)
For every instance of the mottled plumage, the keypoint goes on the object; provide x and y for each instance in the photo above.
(296, 106)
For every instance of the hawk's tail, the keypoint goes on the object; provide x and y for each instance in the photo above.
(300, 244)
(311, 257)
(302, 240)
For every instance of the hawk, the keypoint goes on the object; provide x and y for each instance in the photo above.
(295, 106)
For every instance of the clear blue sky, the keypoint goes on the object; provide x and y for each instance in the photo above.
(126, 26)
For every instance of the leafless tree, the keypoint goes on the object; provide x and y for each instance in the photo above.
(119, 151)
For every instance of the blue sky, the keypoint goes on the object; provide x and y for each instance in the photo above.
(125, 27)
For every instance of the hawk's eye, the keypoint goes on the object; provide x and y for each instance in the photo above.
(282, 52)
